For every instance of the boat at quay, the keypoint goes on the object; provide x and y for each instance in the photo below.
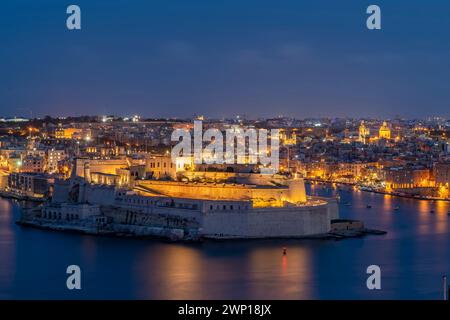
(376, 190)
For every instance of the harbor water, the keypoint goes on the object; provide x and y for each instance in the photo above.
(413, 257)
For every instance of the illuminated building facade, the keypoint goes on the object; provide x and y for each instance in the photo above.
(66, 133)
(28, 184)
(407, 177)
(442, 174)
(385, 131)
(34, 164)
(53, 157)
(364, 132)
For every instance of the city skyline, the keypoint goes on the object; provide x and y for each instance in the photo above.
(139, 117)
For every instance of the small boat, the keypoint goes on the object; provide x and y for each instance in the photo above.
(368, 206)
(348, 204)
(397, 208)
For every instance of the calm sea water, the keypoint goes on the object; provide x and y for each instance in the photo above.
(413, 256)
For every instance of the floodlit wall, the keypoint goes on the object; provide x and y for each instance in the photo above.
(270, 222)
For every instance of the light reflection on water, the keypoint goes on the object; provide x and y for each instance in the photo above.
(413, 256)
(175, 271)
(292, 272)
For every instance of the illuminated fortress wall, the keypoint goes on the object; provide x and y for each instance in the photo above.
(237, 177)
(108, 166)
(261, 196)
(271, 222)
(238, 218)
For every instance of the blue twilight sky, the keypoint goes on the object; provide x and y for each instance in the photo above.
(224, 57)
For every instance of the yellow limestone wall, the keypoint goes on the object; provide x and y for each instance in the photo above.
(261, 196)
(297, 191)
